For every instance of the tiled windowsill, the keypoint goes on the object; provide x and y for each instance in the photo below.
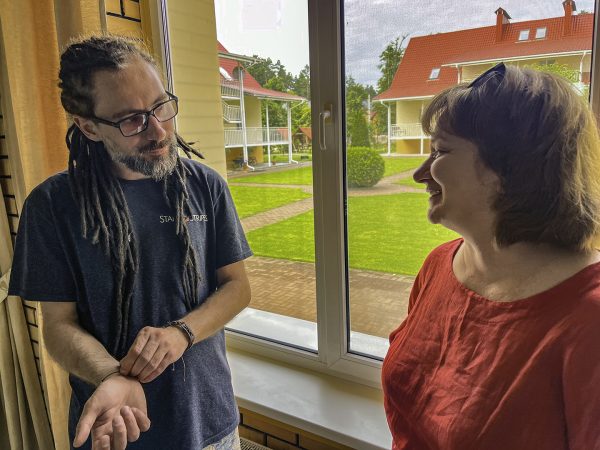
(330, 407)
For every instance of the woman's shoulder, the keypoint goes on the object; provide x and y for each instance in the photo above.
(442, 254)
(581, 295)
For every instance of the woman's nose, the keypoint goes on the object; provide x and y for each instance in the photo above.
(422, 172)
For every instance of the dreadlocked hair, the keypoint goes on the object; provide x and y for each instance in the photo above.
(103, 211)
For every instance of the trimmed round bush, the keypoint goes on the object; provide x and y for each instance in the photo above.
(364, 167)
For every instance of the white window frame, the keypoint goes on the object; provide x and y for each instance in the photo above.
(523, 35)
(326, 59)
(435, 71)
(540, 33)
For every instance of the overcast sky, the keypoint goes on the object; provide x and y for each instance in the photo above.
(279, 28)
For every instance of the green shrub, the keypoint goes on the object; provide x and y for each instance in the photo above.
(364, 167)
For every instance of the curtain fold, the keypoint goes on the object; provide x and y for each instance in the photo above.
(31, 34)
(26, 421)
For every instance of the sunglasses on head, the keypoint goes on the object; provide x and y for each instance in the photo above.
(497, 71)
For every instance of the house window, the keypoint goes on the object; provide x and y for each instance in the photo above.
(540, 33)
(523, 35)
(270, 149)
(334, 263)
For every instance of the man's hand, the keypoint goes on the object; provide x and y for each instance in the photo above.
(114, 414)
(152, 352)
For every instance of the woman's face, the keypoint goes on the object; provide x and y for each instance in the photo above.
(461, 188)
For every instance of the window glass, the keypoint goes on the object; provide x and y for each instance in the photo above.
(265, 152)
(390, 65)
(523, 35)
(540, 33)
(261, 140)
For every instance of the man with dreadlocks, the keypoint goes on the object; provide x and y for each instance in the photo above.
(138, 257)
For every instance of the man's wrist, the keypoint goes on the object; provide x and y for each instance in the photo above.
(185, 329)
(109, 374)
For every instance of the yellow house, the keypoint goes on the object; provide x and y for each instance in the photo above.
(241, 97)
(435, 62)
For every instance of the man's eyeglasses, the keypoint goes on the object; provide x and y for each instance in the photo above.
(137, 123)
(497, 71)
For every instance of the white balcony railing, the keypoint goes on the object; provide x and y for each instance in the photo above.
(231, 113)
(406, 131)
(230, 89)
(256, 136)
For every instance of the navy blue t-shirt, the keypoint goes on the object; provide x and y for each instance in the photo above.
(191, 404)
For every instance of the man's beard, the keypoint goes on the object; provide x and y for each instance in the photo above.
(158, 168)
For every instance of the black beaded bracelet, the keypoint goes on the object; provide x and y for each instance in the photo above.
(185, 329)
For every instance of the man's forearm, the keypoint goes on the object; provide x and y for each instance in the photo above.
(78, 352)
(155, 348)
(222, 306)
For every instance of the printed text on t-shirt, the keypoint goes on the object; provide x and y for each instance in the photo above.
(192, 218)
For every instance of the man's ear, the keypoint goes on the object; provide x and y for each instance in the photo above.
(88, 127)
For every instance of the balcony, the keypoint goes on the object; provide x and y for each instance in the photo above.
(256, 136)
(231, 113)
(406, 131)
(230, 89)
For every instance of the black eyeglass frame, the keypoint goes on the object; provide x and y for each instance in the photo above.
(498, 69)
(146, 115)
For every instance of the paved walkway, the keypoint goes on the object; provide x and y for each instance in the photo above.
(386, 186)
(277, 214)
(378, 300)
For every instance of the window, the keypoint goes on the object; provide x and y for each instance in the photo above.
(435, 73)
(269, 166)
(335, 259)
(540, 33)
(225, 74)
(523, 35)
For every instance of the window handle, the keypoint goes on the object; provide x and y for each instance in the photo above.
(325, 117)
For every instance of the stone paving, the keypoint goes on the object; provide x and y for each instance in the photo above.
(378, 300)
(276, 214)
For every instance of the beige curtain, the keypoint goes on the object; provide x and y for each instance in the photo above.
(23, 420)
(31, 33)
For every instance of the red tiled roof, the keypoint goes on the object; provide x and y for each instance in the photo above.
(251, 86)
(307, 131)
(425, 53)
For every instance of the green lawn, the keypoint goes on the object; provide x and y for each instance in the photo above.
(283, 157)
(298, 175)
(387, 233)
(302, 176)
(410, 182)
(398, 164)
(250, 200)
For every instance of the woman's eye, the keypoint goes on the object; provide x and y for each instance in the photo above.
(435, 154)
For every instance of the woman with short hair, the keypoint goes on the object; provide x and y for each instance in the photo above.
(501, 345)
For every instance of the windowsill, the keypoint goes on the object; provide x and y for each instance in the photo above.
(299, 333)
(342, 411)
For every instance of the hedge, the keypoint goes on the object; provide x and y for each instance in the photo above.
(364, 167)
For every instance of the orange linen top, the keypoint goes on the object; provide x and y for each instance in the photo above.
(465, 372)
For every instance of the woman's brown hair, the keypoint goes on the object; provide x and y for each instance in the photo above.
(537, 132)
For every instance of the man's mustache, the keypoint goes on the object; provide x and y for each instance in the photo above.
(155, 145)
